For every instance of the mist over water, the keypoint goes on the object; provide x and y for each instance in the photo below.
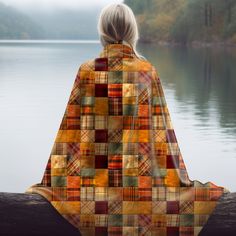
(50, 5)
(37, 19)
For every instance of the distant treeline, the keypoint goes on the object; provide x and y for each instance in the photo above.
(15, 25)
(184, 21)
(57, 24)
(175, 21)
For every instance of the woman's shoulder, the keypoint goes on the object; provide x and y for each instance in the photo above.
(145, 64)
(149, 63)
(128, 64)
(88, 65)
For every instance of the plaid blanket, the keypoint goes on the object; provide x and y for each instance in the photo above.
(115, 167)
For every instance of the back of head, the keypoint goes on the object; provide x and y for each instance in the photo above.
(117, 24)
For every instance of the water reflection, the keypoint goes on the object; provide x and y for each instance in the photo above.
(204, 78)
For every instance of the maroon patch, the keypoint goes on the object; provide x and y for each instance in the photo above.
(101, 207)
(101, 162)
(173, 231)
(172, 207)
(100, 90)
(101, 64)
(172, 161)
(101, 136)
(101, 231)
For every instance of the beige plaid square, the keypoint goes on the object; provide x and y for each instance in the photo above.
(158, 207)
(186, 207)
(101, 148)
(158, 122)
(87, 207)
(101, 193)
(87, 193)
(87, 136)
(130, 161)
(58, 161)
(130, 90)
(101, 77)
(159, 135)
(101, 220)
(159, 193)
(100, 122)
(115, 207)
(87, 122)
(172, 220)
(172, 193)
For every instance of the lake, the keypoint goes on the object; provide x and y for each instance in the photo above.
(36, 79)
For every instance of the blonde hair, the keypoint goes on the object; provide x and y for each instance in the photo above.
(117, 24)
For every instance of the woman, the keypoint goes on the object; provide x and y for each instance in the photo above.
(115, 167)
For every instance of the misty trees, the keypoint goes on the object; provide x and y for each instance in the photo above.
(186, 20)
(209, 20)
(208, 13)
(15, 25)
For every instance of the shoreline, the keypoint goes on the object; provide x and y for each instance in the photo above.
(196, 44)
(48, 41)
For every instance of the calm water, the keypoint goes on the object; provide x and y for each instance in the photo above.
(36, 80)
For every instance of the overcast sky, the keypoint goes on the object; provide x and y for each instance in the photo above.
(49, 4)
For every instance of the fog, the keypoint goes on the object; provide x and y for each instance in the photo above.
(52, 4)
(51, 19)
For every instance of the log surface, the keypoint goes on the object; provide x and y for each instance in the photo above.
(33, 215)
(222, 221)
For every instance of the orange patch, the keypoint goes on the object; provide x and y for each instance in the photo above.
(101, 178)
(73, 181)
(145, 181)
(67, 136)
(172, 178)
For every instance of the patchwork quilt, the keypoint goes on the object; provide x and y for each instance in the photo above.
(115, 167)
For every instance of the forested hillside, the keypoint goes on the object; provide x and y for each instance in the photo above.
(175, 21)
(15, 25)
(184, 21)
(57, 24)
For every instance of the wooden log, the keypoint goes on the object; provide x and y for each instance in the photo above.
(222, 221)
(31, 215)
